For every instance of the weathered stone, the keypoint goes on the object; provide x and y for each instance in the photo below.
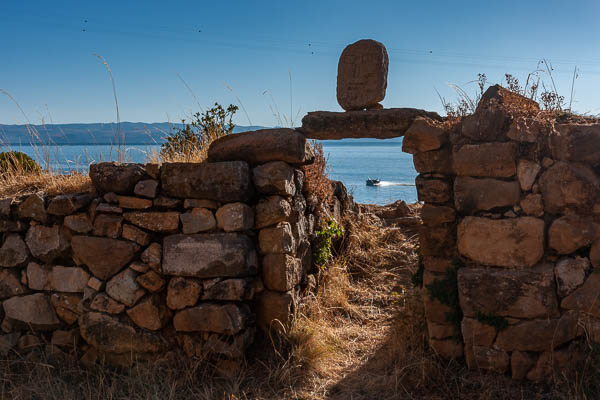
(106, 333)
(66, 306)
(234, 217)
(79, 223)
(67, 204)
(93, 251)
(57, 278)
(433, 190)
(489, 359)
(124, 288)
(150, 314)
(111, 197)
(437, 215)
(487, 124)
(105, 304)
(437, 241)
(135, 234)
(198, 220)
(65, 338)
(151, 281)
(271, 210)
(571, 232)
(518, 293)
(33, 207)
(274, 310)
(496, 160)
(435, 161)
(140, 267)
(95, 284)
(200, 203)
(551, 363)
(441, 331)
(424, 135)
(380, 124)
(5, 206)
(517, 242)
(13, 226)
(27, 342)
(362, 75)
(229, 290)
(447, 349)
(108, 225)
(33, 310)
(527, 171)
(116, 177)
(166, 202)
(146, 188)
(276, 177)
(498, 95)
(227, 181)
(533, 205)
(277, 239)
(281, 272)
(8, 342)
(570, 274)
(262, 146)
(46, 242)
(182, 293)
(576, 142)
(569, 187)
(13, 251)
(209, 255)
(152, 256)
(108, 209)
(538, 335)
(220, 318)
(525, 130)
(154, 221)
(135, 203)
(9, 284)
(520, 364)
(472, 194)
(435, 311)
(153, 170)
(437, 264)
(585, 298)
(477, 333)
(595, 253)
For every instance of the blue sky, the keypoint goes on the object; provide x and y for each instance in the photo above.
(47, 62)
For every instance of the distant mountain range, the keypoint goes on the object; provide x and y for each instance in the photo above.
(89, 134)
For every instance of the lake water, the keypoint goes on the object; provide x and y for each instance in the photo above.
(351, 161)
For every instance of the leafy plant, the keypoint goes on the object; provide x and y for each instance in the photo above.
(324, 244)
(191, 142)
(16, 161)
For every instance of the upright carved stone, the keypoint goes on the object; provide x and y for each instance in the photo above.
(362, 75)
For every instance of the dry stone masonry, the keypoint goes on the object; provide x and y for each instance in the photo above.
(155, 258)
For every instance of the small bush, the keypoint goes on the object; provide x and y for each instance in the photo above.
(16, 161)
(330, 231)
(191, 142)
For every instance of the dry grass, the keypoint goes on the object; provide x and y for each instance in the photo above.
(317, 186)
(15, 184)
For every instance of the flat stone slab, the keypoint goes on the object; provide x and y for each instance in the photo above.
(209, 255)
(262, 146)
(377, 124)
(225, 182)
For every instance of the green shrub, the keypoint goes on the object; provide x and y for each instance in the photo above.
(191, 142)
(16, 161)
(324, 243)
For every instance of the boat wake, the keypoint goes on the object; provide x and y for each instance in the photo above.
(388, 183)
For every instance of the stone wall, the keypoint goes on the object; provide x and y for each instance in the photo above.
(191, 256)
(510, 238)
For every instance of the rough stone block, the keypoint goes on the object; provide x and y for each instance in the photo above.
(570, 274)
(134, 203)
(116, 177)
(13, 252)
(487, 124)
(219, 318)
(57, 278)
(34, 310)
(585, 298)
(262, 146)
(46, 242)
(437, 215)
(272, 210)
(68, 203)
(228, 290)
(182, 293)
(33, 207)
(281, 272)
(10, 285)
(448, 349)
(79, 223)
(437, 241)
(235, 217)
(226, 182)
(135, 234)
(515, 242)
(108, 225)
(105, 304)
(576, 142)
(92, 251)
(277, 240)
(569, 187)
(495, 160)
(167, 221)
(274, 310)
(473, 194)
(520, 364)
(124, 288)
(146, 188)
(197, 220)
(570, 233)
(527, 172)
(424, 135)
(151, 281)
(274, 177)
(150, 313)
(209, 255)
(533, 205)
(518, 293)
(436, 191)
(435, 161)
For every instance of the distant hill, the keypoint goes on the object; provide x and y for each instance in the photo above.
(97, 133)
